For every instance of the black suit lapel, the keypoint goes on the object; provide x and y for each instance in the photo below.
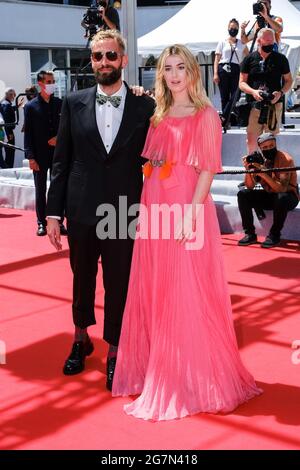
(88, 118)
(128, 123)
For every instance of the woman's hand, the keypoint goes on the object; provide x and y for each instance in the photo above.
(216, 79)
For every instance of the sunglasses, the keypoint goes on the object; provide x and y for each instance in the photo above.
(112, 56)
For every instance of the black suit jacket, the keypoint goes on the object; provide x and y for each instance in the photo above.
(9, 116)
(84, 174)
(41, 121)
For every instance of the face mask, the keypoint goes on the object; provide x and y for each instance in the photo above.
(270, 154)
(50, 88)
(233, 32)
(268, 48)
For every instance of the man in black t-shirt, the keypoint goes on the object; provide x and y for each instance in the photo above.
(107, 18)
(264, 71)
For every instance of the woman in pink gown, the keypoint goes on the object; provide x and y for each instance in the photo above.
(178, 349)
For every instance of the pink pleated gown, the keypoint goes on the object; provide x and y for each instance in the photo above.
(178, 349)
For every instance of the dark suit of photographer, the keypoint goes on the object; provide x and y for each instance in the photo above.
(280, 192)
(269, 71)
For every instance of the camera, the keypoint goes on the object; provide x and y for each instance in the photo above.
(264, 106)
(254, 157)
(258, 8)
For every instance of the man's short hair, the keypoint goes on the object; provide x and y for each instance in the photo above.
(109, 34)
(265, 137)
(263, 31)
(41, 75)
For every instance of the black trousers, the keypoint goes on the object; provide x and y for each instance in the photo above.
(281, 203)
(40, 182)
(10, 153)
(228, 85)
(85, 250)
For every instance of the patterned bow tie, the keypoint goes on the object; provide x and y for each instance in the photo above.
(114, 100)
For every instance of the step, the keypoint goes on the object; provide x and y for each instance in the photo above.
(230, 219)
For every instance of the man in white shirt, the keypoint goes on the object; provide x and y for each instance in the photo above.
(98, 160)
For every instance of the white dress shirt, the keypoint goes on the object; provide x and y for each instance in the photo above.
(108, 120)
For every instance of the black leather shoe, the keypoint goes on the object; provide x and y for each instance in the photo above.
(76, 361)
(41, 231)
(270, 241)
(63, 230)
(248, 240)
(110, 370)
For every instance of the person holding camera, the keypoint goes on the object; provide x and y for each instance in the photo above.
(265, 78)
(100, 16)
(280, 190)
(264, 19)
(229, 55)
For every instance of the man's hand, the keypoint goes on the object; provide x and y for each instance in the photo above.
(52, 141)
(277, 95)
(245, 163)
(137, 90)
(33, 165)
(257, 95)
(258, 166)
(53, 231)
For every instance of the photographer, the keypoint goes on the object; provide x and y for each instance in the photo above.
(100, 16)
(280, 190)
(264, 19)
(229, 55)
(265, 77)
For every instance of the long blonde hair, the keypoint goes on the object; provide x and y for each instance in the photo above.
(163, 95)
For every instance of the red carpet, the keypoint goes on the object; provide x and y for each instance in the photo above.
(42, 409)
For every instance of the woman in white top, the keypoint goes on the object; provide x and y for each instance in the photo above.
(229, 55)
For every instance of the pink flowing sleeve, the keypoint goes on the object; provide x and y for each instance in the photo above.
(205, 152)
(149, 147)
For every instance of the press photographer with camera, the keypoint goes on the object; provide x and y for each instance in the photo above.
(100, 16)
(265, 78)
(229, 55)
(262, 10)
(279, 190)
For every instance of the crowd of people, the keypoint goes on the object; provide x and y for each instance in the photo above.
(167, 311)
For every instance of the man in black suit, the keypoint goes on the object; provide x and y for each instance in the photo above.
(9, 116)
(41, 120)
(98, 160)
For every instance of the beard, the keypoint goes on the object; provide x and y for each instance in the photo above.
(108, 78)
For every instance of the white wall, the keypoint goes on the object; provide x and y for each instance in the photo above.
(15, 73)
